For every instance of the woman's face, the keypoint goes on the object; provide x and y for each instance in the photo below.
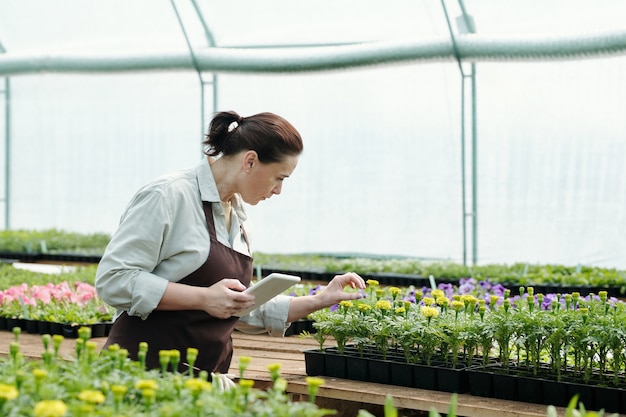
(264, 180)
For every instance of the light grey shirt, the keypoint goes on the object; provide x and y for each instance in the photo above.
(163, 237)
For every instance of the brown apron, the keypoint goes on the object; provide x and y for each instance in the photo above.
(165, 330)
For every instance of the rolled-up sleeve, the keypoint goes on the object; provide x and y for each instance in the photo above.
(123, 278)
(270, 318)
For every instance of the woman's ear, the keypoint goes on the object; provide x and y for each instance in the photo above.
(249, 159)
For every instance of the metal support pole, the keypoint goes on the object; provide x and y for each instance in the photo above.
(7, 148)
(474, 170)
(467, 25)
(7, 153)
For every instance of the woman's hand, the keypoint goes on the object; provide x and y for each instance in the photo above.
(226, 298)
(221, 300)
(334, 292)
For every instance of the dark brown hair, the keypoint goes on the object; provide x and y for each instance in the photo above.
(269, 135)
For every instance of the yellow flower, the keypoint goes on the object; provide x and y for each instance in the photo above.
(394, 291)
(244, 360)
(197, 385)
(246, 383)
(383, 305)
(372, 283)
(363, 307)
(429, 301)
(118, 391)
(468, 299)
(400, 310)
(443, 301)
(438, 293)
(314, 381)
(192, 354)
(493, 299)
(346, 303)
(458, 305)
(50, 408)
(91, 396)
(273, 367)
(148, 393)
(429, 312)
(39, 374)
(8, 392)
(143, 384)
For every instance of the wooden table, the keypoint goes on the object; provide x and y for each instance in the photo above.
(346, 396)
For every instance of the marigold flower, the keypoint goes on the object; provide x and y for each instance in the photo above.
(400, 310)
(143, 384)
(274, 367)
(458, 306)
(8, 392)
(40, 374)
(394, 291)
(197, 385)
(192, 354)
(314, 381)
(428, 301)
(91, 396)
(346, 304)
(362, 307)
(429, 312)
(246, 385)
(443, 301)
(313, 385)
(383, 305)
(118, 391)
(437, 293)
(372, 283)
(50, 408)
(148, 394)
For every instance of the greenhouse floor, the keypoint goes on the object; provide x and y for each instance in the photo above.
(346, 396)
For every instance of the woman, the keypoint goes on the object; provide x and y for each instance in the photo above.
(177, 265)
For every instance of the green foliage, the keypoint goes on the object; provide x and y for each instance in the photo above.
(108, 384)
(53, 241)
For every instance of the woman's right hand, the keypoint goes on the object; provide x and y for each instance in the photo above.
(221, 300)
(226, 298)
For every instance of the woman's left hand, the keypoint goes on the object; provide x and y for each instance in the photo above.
(334, 291)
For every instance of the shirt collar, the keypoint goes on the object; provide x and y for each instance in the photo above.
(208, 188)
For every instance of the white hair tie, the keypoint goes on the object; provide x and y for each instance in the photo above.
(232, 126)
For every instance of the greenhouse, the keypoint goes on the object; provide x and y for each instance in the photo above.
(462, 168)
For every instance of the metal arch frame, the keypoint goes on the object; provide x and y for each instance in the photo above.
(473, 213)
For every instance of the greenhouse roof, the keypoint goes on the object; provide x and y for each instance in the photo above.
(74, 35)
(469, 130)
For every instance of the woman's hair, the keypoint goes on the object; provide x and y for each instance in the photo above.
(269, 135)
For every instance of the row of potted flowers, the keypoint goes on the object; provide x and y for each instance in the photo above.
(555, 337)
(54, 308)
(107, 383)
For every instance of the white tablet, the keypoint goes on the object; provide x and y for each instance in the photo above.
(268, 288)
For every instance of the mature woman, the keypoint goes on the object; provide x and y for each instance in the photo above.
(177, 265)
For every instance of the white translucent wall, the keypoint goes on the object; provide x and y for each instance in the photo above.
(381, 169)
